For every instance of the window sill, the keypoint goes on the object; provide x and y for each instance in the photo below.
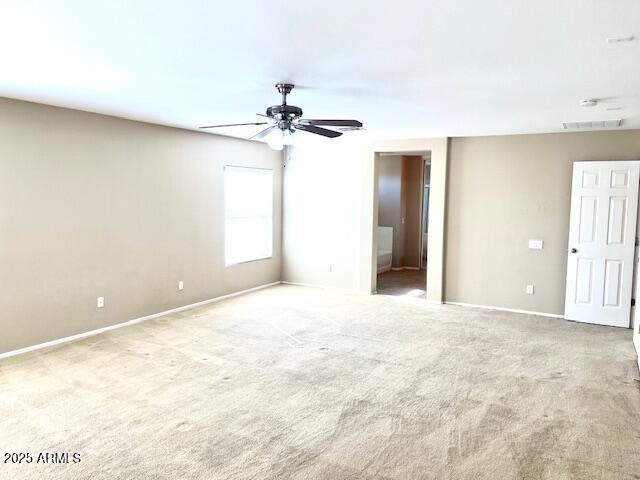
(248, 261)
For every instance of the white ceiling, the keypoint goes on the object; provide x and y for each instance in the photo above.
(406, 68)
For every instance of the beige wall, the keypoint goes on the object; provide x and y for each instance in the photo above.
(400, 196)
(330, 214)
(412, 179)
(98, 206)
(391, 203)
(321, 215)
(505, 190)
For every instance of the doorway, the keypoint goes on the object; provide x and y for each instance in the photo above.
(402, 223)
(438, 149)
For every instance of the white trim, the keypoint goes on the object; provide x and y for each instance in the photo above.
(311, 285)
(227, 265)
(501, 309)
(91, 333)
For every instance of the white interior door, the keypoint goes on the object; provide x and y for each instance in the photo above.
(602, 232)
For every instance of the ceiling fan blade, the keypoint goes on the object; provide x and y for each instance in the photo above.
(264, 133)
(318, 131)
(332, 123)
(234, 125)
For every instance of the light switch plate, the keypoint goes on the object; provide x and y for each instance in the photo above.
(180, 285)
(529, 289)
(100, 302)
(535, 244)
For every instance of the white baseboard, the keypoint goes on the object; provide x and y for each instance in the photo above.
(397, 269)
(311, 285)
(91, 333)
(501, 309)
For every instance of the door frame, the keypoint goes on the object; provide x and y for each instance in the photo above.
(424, 169)
(439, 148)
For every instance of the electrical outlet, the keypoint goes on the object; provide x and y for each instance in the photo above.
(100, 302)
(180, 285)
(536, 244)
(530, 290)
(330, 268)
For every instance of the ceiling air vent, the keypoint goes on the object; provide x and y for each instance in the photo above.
(592, 124)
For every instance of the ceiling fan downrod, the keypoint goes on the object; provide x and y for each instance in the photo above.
(284, 89)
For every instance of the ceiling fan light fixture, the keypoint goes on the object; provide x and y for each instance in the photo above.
(275, 141)
(288, 137)
(281, 138)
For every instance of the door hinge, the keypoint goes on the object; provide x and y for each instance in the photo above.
(633, 302)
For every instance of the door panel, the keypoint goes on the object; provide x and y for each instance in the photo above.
(619, 178)
(617, 220)
(588, 219)
(612, 283)
(604, 201)
(584, 281)
(590, 179)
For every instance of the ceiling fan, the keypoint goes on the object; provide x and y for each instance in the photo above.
(284, 120)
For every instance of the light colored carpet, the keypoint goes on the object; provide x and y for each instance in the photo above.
(300, 383)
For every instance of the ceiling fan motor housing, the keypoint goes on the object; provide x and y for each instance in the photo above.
(284, 115)
(284, 112)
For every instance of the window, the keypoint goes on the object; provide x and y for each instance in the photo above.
(248, 210)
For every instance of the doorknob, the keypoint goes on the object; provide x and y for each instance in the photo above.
(574, 250)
